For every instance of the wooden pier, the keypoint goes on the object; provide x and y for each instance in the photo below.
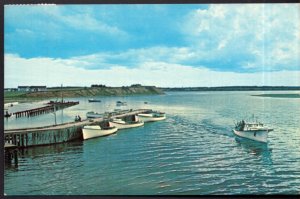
(52, 107)
(11, 153)
(46, 135)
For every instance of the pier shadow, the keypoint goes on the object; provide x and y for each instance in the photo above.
(26, 155)
(74, 146)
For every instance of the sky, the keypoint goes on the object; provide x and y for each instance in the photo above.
(186, 45)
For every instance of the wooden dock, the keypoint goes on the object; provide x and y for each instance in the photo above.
(46, 135)
(11, 153)
(52, 107)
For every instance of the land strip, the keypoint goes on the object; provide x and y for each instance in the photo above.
(283, 95)
(22, 96)
(235, 88)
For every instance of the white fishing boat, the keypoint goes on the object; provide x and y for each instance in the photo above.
(93, 131)
(152, 116)
(93, 114)
(11, 104)
(252, 130)
(121, 124)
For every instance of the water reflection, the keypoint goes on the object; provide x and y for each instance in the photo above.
(74, 147)
(257, 149)
(56, 152)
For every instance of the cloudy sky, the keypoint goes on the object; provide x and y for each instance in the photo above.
(161, 45)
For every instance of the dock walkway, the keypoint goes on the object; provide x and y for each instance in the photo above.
(27, 137)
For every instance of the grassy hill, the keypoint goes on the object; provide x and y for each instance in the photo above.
(81, 92)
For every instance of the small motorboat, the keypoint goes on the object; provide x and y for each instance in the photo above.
(93, 131)
(119, 103)
(94, 100)
(252, 130)
(93, 114)
(11, 104)
(152, 116)
(121, 124)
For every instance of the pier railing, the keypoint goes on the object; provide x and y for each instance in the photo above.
(46, 109)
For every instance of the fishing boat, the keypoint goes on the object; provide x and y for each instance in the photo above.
(152, 116)
(93, 114)
(11, 104)
(121, 124)
(93, 131)
(119, 103)
(94, 100)
(252, 130)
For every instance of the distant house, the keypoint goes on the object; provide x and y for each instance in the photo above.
(38, 88)
(23, 88)
(10, 89)
(32, 88)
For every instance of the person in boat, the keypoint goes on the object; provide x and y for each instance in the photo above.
(243, 125)
(76, 118)
(7, 114)
(79, 118)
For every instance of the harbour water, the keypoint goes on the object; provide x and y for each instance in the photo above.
(192, 152)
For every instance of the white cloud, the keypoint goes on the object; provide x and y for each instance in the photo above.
(58, 18)
(265, 35)
(133, 57)
(87, 22)
(53, 72)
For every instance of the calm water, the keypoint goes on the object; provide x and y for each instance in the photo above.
(192, 152)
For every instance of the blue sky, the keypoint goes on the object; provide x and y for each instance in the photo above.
(162, 45)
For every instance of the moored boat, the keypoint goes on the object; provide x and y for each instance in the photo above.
(252, 130)
(121, 124)
(92, 131)
(152, 116)
(93, 114)
(11, 104)
(94, 100)
(119, 103)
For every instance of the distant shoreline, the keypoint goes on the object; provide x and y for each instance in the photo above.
(69, 92)
(287, 95)
(235, 88)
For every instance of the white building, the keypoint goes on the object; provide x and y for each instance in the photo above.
(32, 88)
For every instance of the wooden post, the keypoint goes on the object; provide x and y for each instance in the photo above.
(26, 135)
(16, 157)
(22, 140)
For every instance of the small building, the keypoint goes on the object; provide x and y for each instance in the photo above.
(23, 88)
(10, 89)
(38, 88)
(32, 88)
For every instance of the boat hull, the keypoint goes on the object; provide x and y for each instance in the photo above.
(151, 118)
(94, 100)
(94, 115)
(126, 125)
(257, 135)
(88, 133)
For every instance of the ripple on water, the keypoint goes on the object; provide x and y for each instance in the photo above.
(192, 152)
